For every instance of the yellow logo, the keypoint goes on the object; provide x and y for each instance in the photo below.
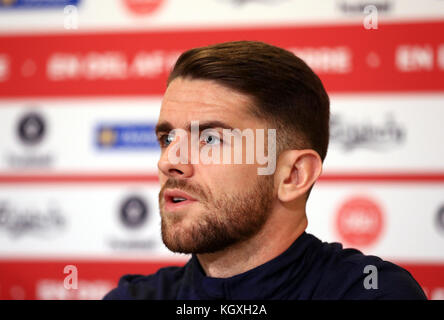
(8, 2)
(107, 137)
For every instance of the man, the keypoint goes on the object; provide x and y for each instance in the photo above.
(246, 230)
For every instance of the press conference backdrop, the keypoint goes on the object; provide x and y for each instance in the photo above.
(81, 84)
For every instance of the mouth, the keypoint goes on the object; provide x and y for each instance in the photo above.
(176, 199)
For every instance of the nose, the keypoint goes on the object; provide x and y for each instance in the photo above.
(174, 160)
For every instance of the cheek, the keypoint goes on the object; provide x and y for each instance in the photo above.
(231, 177)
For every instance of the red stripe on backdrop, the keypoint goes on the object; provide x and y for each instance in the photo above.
(409, 177)
(429, 276)
(51, 279)
(348, 58)
(44, 280)
(437, 177)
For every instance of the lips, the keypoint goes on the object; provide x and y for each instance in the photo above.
(175, 199)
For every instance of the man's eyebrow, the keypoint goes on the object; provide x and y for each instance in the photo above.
(211, 125)
(165, 126)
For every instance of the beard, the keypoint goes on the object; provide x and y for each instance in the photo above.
(226, 219)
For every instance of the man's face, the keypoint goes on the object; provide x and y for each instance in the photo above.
(225, 203)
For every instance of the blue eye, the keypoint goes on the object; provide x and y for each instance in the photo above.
(211, 139)
(166, 139)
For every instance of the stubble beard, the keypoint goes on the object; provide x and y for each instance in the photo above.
(225, 220)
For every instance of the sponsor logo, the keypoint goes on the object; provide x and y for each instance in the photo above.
(359, 222)
(357, 7)
(133, 212)
(143, 7)
(351, 134)
(440, 219)
(31, 130)
(37, 4)
(19, 221)
(133, 136)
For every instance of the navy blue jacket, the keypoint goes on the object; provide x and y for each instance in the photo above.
(309, 269)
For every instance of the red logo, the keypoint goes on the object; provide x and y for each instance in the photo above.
(359, 222)
(142, 7)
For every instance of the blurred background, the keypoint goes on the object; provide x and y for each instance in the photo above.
(81, 83)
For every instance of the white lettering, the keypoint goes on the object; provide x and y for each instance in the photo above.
(242, 309)
(48, 289)
(414, 58)
(326, 59)
(441, 57)
(193, 310)
(147, 64)
(4, 67)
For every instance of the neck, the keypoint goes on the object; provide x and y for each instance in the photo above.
(276, 236)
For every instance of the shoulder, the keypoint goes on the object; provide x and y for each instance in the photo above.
(349, 274)
(163, 284)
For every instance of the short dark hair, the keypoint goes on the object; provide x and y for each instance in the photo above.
(283, 88)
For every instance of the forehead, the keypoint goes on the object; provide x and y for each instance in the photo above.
(186, 100)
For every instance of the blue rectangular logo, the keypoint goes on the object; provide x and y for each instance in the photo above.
(36, 4)
(127, 137)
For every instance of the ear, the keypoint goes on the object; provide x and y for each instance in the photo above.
(296, 172)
